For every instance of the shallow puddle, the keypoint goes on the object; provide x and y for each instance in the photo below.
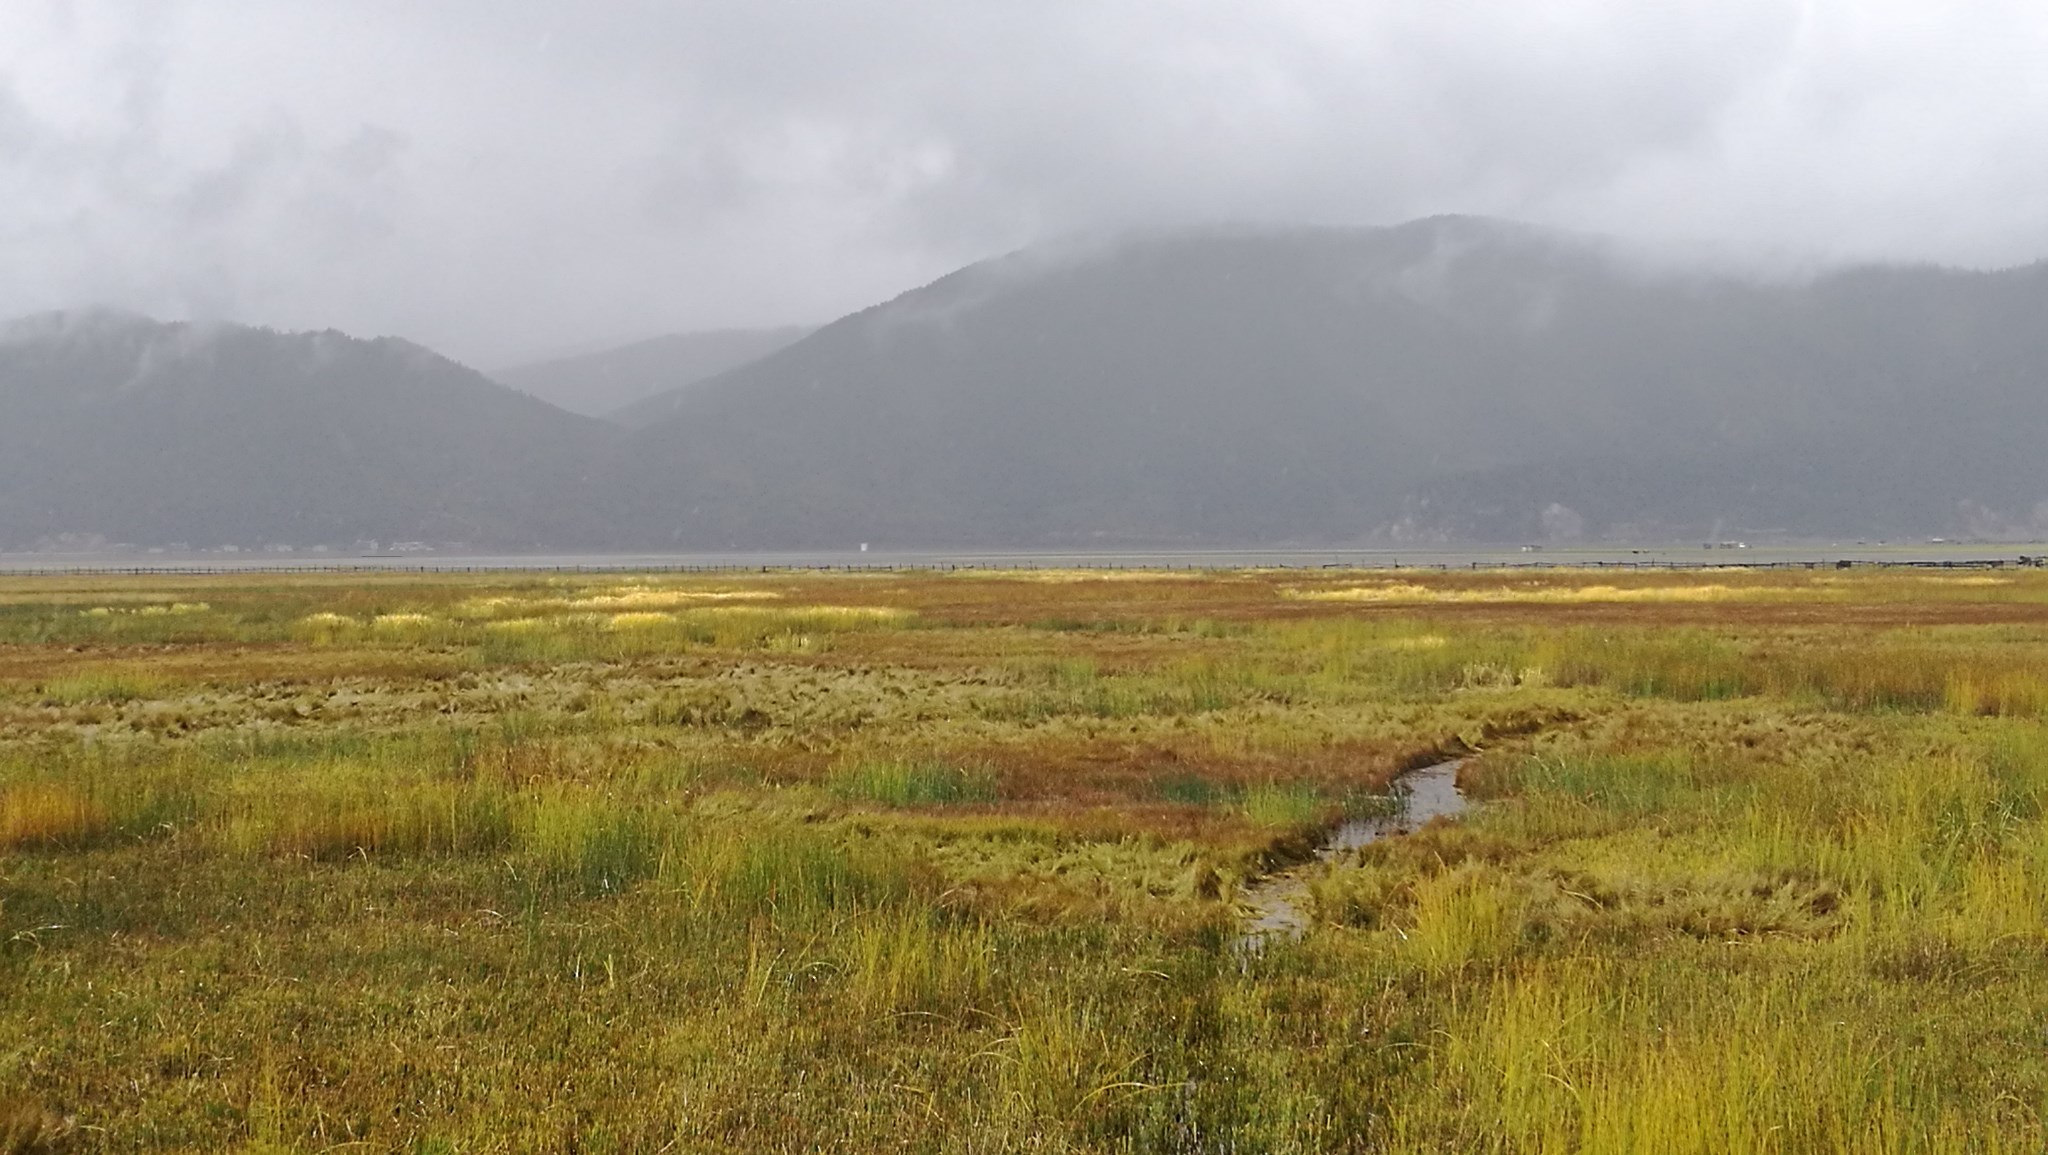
(1278, 902)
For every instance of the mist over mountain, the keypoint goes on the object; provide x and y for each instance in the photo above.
(1454, 379)
(1450, 380)
(116, 428)
(625, 384)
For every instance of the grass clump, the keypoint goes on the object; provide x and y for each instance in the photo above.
(29, 1128)
(591, 845)
(76, 802)
(50, 815)
(1279, 804)
(107, 687)
(913, 783)
(1195, 790)
(333, 823)
(792, 874)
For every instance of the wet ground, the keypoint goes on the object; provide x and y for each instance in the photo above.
(1278, 903)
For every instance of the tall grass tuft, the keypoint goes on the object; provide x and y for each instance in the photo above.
(50, 815)
(28, 1128)
(333, 822)
(85, 806)
(592, 845)
(1461, 917)
(903, 783)
(1997, 693)
(104, 687)
(1193, 790)
(1284, 805)
(908, 960)
(792, 874)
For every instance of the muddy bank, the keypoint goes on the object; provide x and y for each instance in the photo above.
(1277, 904)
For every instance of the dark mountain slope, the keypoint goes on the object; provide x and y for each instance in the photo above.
(630, 384)
(1449, 379)
(134, 431)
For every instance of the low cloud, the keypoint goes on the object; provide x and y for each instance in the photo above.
(501, 178)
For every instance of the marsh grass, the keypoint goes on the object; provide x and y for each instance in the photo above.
(1278, 804)
(775, 862)
(105, 686)
(792, 875)
(1079, 687)
(1194, 790)
(350, 820)
(1967, 670)
(1287, 805)
(898, 782)
(1461, 917)
(908, 960)
(76, 804)
(41, 815)
(28, 1128)
(606, 627)
(593, 845)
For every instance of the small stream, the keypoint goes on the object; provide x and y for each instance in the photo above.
(1278, 902)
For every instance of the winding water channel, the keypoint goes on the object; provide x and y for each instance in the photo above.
(1278, 902)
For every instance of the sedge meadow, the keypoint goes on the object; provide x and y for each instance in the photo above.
(1755, 862)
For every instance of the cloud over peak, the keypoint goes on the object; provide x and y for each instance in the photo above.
(498, 177)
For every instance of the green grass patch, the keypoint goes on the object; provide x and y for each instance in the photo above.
(913, 783)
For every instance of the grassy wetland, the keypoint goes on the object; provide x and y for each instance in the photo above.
(1758, 862)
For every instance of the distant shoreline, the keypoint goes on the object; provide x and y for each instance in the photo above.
(1984, 555)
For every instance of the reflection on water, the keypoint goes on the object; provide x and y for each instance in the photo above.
(1277, 901)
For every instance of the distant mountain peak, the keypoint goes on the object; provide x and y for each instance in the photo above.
(1456, 376)
(117, 428)
(626, 383)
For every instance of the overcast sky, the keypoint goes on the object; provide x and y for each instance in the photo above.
(502, 177)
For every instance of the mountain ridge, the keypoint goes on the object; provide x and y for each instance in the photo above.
(1388, 363)
(119, 428)
(1449, 380)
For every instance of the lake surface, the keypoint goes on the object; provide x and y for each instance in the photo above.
(1927, 553)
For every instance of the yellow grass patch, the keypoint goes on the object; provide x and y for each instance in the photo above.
(640, 621)
(619, 599)
(1412, 592)
(48, 814)
(666, 599)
